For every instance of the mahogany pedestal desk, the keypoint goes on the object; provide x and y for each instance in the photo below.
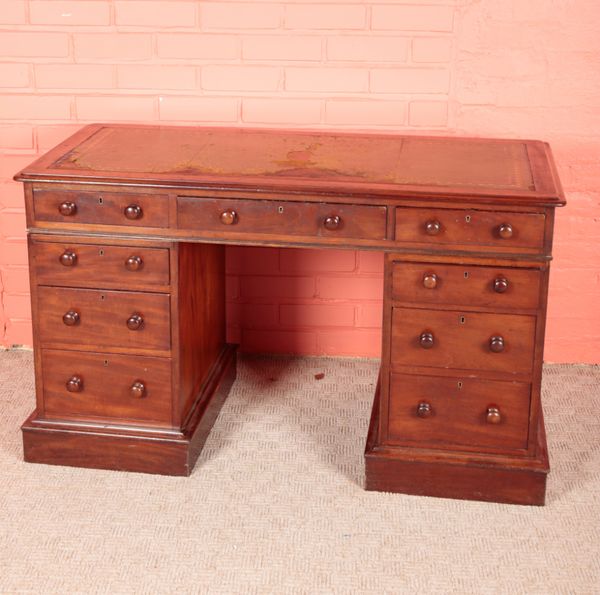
(127, 230)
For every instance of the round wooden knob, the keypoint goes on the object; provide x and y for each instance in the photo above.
(426, 340)
(505, 231)
(71, 318)
(68, 258)
(134, 263)
(135, 322)
(433, 227)
(332, 222)
(67, 208)
(133, 212)
(424, 409)
(430, 281)
(493, 415)
(500, 284)
(496, 344)
(138, 389)
(75, 384)
(229, 217)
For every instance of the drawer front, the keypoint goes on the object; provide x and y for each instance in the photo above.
(470, 227)
(106, 386)
(101, 208)
(462, 340)
(490, 287)
(104, 318)
(431, 411)
(99, 266)
(321, 220)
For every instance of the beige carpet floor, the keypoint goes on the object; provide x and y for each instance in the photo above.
(276, 505)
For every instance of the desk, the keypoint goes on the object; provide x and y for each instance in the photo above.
(126, 230)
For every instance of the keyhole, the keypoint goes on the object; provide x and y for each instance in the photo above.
(105, 362)
(459, 385)
(280, 209)
(102, 297)
(462, 319)
(466, 274)
(100, 201)
(468, 218)
(101, 252)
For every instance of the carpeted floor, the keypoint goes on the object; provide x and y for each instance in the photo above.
(276, 505)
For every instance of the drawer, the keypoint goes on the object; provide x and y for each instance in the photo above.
(490, 287)
(101, 208)
(123, 319)
(462, 340)
(432, 411)
(99, 265)
(503, 230)
(314, 219)
(106, 386)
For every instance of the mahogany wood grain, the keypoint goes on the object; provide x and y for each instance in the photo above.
(461, 340)
(106, 394)
(103, 317)
(100, 265)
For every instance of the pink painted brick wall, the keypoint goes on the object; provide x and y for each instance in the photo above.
(489, 68)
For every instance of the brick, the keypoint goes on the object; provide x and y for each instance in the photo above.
(197, 47)
(412, 18)
(410, 80)
(18, 333)
(17, 136)
(90, 12)
(428, 113)
(281, 47)
(33, 44)
(319, 315)
(369, 315)
(305, 261)
(73, 76)
(35, 107)
(13, 251)
(326, 79)
(240, 78)
(198, 109)
(367, 48)
(281, 111)
(357, 343)
(12, 224)
(15, 279)
(431, 49)
(230, 15)
(17, 306)
(253, 316)
(272, 287)
(325, 16)
(112, 46)
(13, 12)
(50, 136)
(14, 75)
(366, 112)
(250, 260)
(370, 261)
(10, 164)
(155, 14)
(141, 76)
(115, 108)
(350, 288)
(274, 341)
(11, 193)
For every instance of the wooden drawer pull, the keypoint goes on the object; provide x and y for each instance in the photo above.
(68, 258)
(134, 263)
(500, 284)
(505, 231)
(229, 217)
(430, 281)
(133, 212)
(433, 227)
(426, 340)
(138, 389)
(332, 222)
(75, 384)
(71, 318)
(424, 410)
(67, 208)
(493, 415)
(135, 322)
(497, 344)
